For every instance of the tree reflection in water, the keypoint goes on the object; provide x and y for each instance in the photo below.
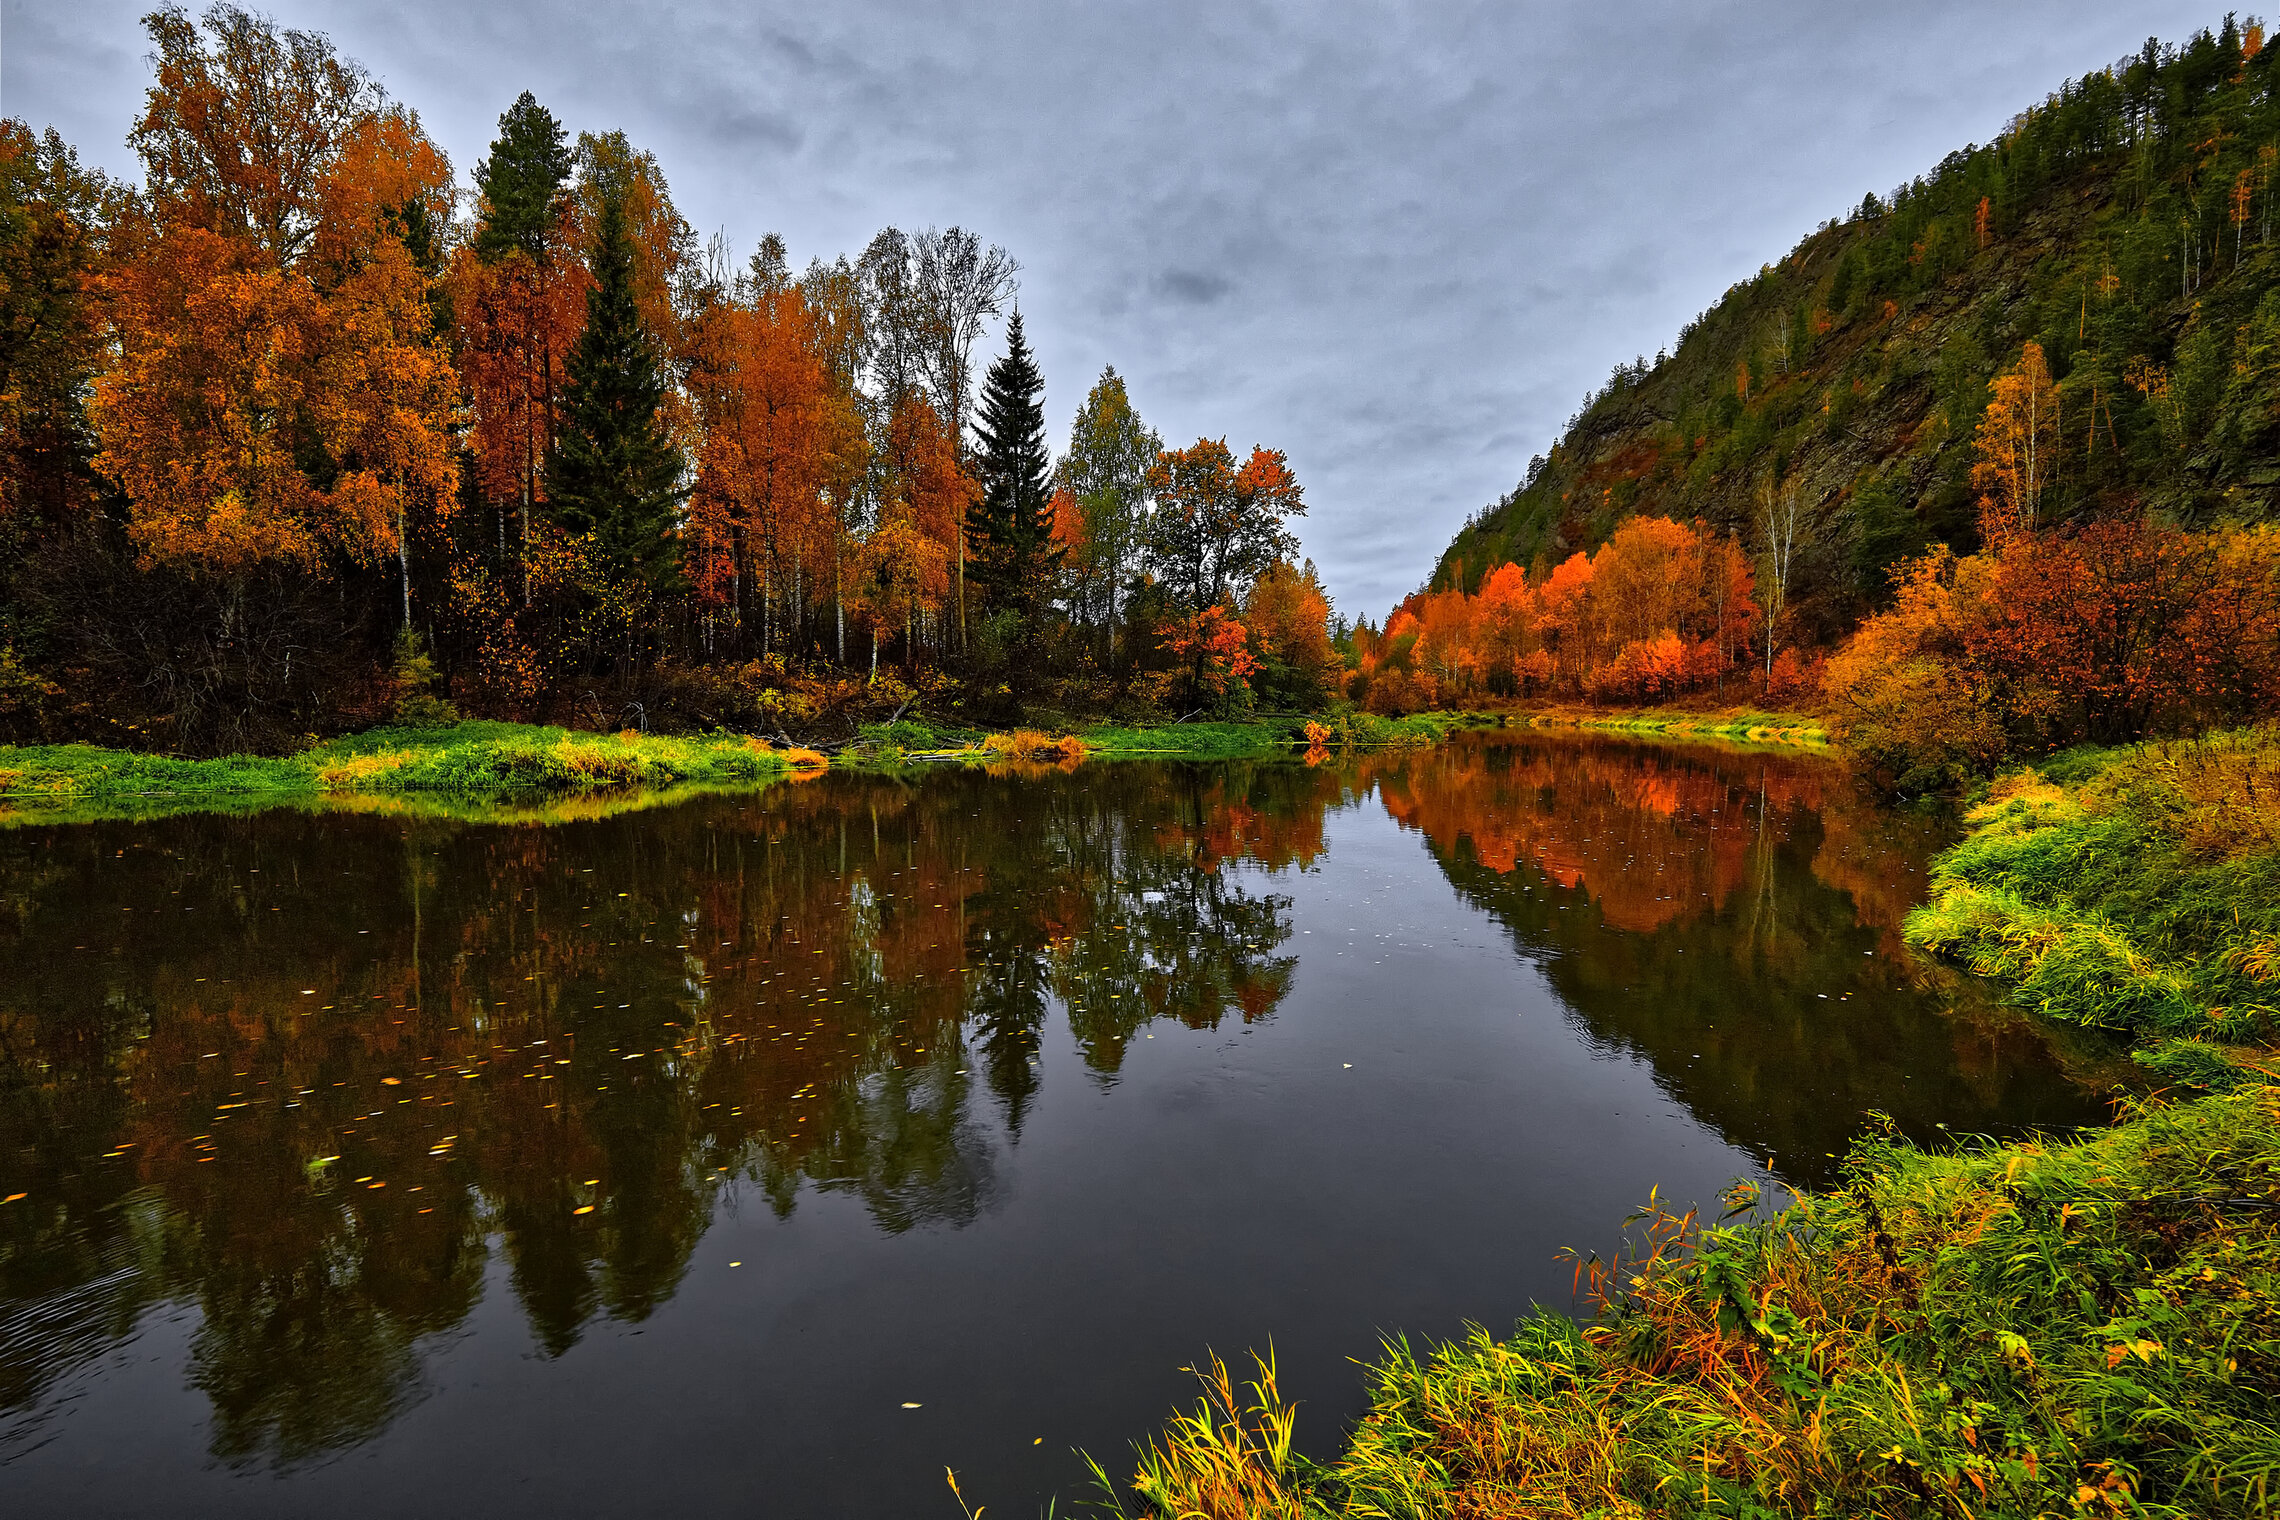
(301, 1071)
(311, 1074)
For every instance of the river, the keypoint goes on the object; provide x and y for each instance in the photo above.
(770, 1154)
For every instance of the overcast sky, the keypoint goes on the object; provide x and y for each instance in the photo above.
(1399, 242)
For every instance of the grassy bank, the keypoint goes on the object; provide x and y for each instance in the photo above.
(505, 761)
(2135, 889)
(912, 741)
(1740, 724)
(2041, 1329)
(2086, 1326)
(517, 772)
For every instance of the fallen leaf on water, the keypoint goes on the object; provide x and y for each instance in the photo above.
(12, 1197)
(391, 1081)
(911, 1406)
(583, 1209)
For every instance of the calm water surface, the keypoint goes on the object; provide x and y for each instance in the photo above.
(656, 1162)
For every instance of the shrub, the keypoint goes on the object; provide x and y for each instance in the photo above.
(2112, 631)
(1029, 744)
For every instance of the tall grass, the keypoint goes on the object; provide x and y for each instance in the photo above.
(2145, 896)
(2086, 1327)
(1747, 727)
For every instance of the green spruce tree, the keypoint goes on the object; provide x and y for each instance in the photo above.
(614, 473)
(522, 182)
(1009, 532)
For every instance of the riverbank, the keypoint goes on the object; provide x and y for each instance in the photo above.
(2063, 1326)
(513, 771)
(466, 760)
(913, 741)
(1733, 724)
(2135, 889)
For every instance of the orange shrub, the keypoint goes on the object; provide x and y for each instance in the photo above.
(2107, 632)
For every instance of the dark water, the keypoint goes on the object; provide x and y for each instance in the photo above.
(653, 1163)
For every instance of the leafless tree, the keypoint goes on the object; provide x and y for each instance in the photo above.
(961, 285)
(1781, 512)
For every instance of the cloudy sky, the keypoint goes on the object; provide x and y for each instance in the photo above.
(1398, 242)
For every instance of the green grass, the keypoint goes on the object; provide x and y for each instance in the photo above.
(2143, 895)
(468, 769)
(917, 740)
(1280, 735)
(1750, 727)
(517, 771)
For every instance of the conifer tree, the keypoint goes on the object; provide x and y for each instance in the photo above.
(615, 473)
(522, 181)
(1009, 532)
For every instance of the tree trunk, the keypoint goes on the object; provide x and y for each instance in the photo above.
(404, 560)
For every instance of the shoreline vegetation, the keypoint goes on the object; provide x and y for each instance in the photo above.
(1740, 725)
(519, 772)
(2084, 1325)
(514, 772)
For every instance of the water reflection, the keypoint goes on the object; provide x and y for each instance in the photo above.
(1733, 917)
(312, 1075)
(301, 1069)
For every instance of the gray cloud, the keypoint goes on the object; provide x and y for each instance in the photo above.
(1190, 287)
(1397, 242)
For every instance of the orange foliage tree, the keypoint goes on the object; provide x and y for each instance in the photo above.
(1287, 617)
(908, 560)
(778, 436)
(1662, 607)
(1214, 648)
(517, 320)
(2017, 445)
(279, 392)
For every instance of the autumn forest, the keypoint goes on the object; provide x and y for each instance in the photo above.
(625, 887)
(333, 438)
(1987, 467)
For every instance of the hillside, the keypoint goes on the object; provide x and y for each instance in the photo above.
(2125, 225)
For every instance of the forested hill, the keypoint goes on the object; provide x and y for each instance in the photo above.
(2126, 226)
